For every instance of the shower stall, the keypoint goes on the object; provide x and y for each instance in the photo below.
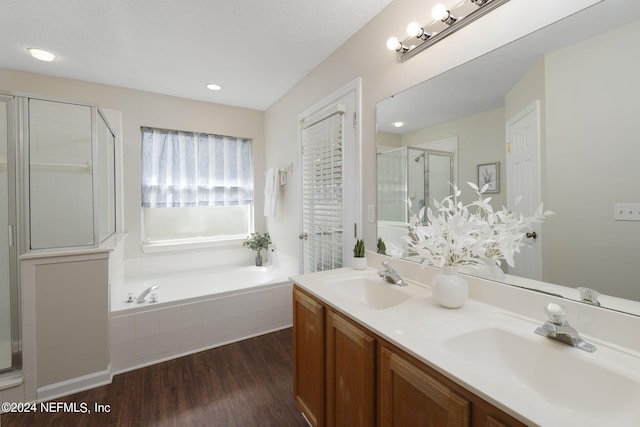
(57, 192)
(409, 178)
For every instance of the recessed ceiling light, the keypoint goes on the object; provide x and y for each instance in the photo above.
(213, 86)
(40, 54)
(398, 124)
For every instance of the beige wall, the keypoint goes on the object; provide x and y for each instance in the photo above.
(147, 109)
(594, 165)
(366, 56)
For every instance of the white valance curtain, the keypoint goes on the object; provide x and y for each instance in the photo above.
(187, 169)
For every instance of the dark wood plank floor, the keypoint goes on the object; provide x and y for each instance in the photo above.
(243, 384)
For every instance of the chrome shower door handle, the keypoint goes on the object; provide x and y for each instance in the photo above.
(12, 238)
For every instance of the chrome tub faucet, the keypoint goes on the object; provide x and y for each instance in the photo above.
(390, 275)
(557, 328)
(141, 298)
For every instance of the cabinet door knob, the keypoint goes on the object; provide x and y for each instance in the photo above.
(532, 235)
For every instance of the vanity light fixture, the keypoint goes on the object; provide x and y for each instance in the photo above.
(415, 30)
(396, 45)
(464, 13)
(41, 54)
(441, 13)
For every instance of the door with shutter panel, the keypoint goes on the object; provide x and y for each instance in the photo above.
(329, 168)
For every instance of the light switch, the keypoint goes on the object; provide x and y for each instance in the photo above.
(626, 211)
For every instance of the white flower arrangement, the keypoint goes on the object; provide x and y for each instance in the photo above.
(457, 234)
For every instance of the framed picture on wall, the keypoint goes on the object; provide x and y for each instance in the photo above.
(489, 174)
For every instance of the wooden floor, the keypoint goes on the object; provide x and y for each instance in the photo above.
(243, 384)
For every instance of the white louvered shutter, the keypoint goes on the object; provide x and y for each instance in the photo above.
(322, 191)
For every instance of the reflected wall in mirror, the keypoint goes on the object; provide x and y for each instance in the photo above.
(582, 72)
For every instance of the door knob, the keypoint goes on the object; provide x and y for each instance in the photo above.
(532, 235)
(303, 236)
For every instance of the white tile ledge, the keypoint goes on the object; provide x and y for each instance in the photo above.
(12, 381)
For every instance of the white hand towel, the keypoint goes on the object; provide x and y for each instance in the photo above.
(271, 190)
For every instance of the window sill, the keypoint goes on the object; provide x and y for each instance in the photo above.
(190, 244)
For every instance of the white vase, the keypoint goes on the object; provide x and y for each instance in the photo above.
(359, 263)
(449, 288)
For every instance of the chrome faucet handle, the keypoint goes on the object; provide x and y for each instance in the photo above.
(589, 295)
(386, 263)
(557, 313)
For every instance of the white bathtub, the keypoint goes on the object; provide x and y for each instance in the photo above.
(196, 310)
(184, 287)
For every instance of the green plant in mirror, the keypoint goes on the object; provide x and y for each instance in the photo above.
(358, 249)
(382, 248)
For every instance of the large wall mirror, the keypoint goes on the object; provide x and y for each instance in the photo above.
(577, 80)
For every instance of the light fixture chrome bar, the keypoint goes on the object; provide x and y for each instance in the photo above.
(460, 23)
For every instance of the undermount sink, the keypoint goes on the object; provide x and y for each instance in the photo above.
(604, 384)
(368, 290)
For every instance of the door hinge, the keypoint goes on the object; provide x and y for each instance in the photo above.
(355, 230)
(508, 147)
(355, 119)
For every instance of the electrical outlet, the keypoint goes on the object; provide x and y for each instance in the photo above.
(371, 213)
(626, 211)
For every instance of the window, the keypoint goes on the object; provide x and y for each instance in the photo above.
(195, 187)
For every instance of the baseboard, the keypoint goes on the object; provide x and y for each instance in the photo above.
(74, 385)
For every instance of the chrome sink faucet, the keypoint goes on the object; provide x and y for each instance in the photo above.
(146, 292)
(390, 275)
(557, 328)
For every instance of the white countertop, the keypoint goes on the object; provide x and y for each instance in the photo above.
(414, 326)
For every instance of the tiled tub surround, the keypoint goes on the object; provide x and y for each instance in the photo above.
(213, 307)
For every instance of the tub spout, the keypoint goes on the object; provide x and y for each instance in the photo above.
(143, 295)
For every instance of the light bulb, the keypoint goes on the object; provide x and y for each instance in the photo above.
(414, 29)
(398, 124)
(213, 86)
(40, 54)
(439, 12)
(394, 44)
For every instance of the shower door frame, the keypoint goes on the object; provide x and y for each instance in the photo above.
(14, 126)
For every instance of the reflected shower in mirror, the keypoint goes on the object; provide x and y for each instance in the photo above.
(576, 81)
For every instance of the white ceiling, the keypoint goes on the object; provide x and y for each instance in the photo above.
(256, 49)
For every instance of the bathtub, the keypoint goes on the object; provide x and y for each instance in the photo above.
(184, 287)
(196, 309)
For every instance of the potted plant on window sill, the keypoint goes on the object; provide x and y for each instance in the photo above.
(359, 261)
(257, 242)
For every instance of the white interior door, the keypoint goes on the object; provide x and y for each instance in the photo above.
(329, 167)
(523, 180)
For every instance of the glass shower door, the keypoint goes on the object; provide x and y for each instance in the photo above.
(8, 251)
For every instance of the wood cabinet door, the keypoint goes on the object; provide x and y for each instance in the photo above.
(351, 373)
(409, 396)
(308, 356)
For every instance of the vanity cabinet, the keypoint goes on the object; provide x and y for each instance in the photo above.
(346, 375)
(410, 396)
(308, 357)
(350, 373)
